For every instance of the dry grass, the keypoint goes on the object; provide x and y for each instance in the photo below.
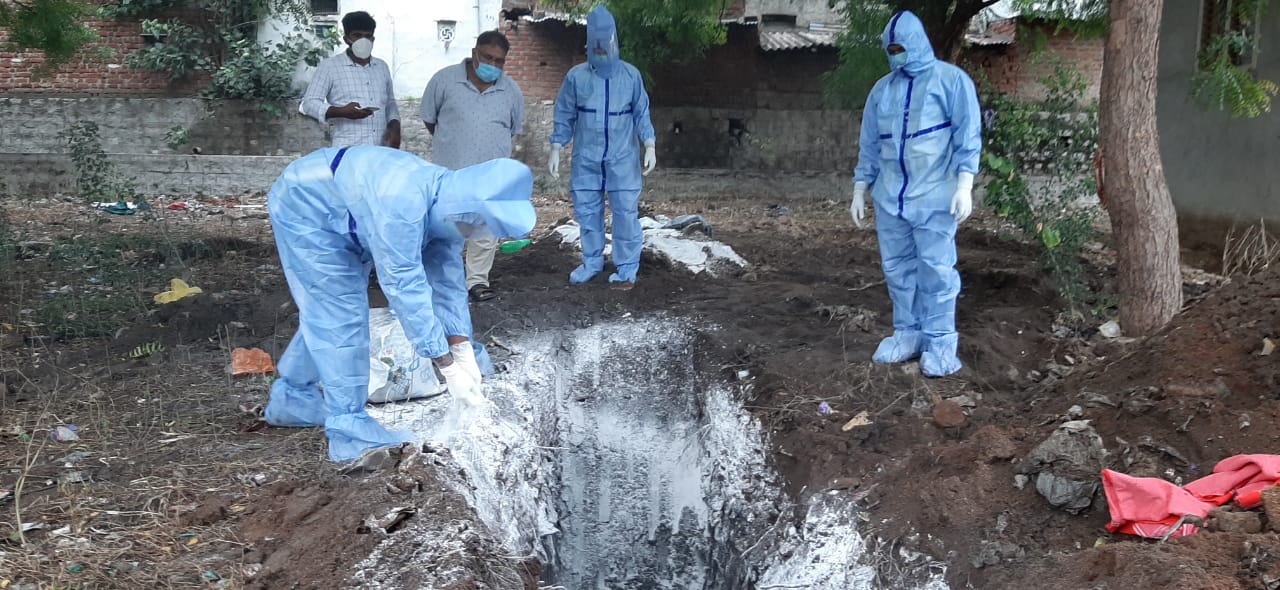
(152, 493)
(1249, 250)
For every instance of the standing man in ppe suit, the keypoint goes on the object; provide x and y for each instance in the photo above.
(338, 211)
(603, 108)
(918, 153)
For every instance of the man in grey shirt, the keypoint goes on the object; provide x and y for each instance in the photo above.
(474, 110)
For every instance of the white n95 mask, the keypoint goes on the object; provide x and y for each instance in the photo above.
(362, 48)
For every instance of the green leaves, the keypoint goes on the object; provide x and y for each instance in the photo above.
(98, 178)
(55, 27)
(1225, 79)
(1221, 84)
(222, 42)
(653, 33)
(1039, 158)
(1050, 238)
(862, 59)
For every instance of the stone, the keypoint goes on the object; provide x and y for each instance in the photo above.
(1271, 507)
(993, 552)
(1066, 466)
(948, 414)
(1227, 521)
(1183, 391)
(845, 483)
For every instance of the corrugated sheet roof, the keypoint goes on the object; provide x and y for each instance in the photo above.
(989, 39)
(556, 16)
(785, 39)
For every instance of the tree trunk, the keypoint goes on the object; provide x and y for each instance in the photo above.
(1143, 221)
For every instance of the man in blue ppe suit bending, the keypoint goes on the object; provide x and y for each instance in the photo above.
(338, 211)
(919, 148)
(604, 109)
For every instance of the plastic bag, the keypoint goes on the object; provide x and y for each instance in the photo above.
(251, 361)
(396, 372)
(178, 289)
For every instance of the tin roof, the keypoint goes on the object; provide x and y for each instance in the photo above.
(563, 17)
(786, 39)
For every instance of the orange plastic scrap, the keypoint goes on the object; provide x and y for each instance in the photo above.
(251, 361)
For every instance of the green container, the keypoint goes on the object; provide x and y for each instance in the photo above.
(514, 246)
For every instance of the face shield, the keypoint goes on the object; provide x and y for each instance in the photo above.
(602, 42)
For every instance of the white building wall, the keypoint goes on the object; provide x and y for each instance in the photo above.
(805, 11)
(408, 37)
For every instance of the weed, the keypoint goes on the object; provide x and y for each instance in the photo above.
(97, 176)
(1039, 156)
(177, 136)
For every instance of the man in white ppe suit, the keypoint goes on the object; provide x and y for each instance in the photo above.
(919, 149)
(338, 211)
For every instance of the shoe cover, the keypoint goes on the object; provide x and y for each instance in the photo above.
(618, 277)
(939, 358)
(902, 346)
(295, 407)
(582, 274)
(350, 435)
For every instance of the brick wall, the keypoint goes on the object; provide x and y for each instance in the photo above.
(734, 75)
(541, 54)
(91, 73)
(1013, 69)
(739, 74)
(741, 108)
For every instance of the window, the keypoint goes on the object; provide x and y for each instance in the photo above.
(778, 21)
(324, 18)
(324, 6)
(1223, 17)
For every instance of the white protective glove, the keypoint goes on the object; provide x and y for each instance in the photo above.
(859, 207)
(650, 157)
(962, 202)
(553, 161)
(462, 385)
(465, 355)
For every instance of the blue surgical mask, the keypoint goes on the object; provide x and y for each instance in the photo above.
(898, 61)
(487, 73)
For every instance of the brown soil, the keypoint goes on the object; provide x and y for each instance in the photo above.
(183, 487)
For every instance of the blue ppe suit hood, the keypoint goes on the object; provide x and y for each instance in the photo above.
(496, 192)
(921, 127)
(905, 29)
(336, 213)
(602, 33)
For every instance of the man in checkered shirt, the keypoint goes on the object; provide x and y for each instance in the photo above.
(352, 91)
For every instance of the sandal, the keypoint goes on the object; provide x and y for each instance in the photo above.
(481, 293)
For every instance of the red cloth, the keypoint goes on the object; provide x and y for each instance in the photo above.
(1149, 507)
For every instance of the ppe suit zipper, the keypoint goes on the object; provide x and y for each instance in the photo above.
(351, 219)
(604, 157)
(902, 145)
